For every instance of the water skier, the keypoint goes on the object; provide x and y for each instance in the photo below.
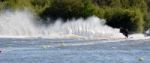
(124, 32)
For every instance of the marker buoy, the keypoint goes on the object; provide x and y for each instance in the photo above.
(141, 59)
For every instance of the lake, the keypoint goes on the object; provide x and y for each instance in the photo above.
(40, 50)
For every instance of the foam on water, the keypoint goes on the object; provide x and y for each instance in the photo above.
(24, 24)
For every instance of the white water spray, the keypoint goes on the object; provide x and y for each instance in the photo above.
(22, 23)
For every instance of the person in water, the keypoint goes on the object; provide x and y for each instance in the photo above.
(124, 32)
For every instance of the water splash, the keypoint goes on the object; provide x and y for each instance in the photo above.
(22, 23)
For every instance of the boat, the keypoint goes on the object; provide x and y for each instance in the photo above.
(147, 33)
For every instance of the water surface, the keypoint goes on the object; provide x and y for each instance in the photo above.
(73, 51)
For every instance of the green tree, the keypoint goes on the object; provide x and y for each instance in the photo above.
(64, 9)
(38, 6)
(18, 4)
(126, 18)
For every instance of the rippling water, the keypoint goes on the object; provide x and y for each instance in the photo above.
(40, 50)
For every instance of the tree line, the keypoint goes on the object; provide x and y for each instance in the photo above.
(131, 14)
